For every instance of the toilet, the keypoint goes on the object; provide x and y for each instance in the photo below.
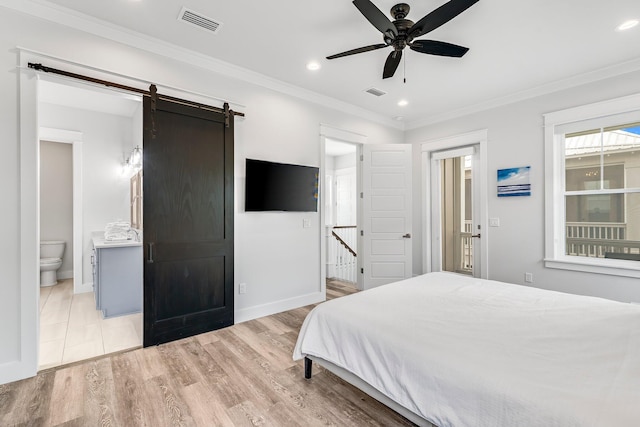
(51, 252)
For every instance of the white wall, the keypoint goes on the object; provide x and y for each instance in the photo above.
(107, 139)
(277, 258)
(515, 138)
(56, 200)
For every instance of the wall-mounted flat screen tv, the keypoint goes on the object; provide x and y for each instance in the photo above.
(273, 186)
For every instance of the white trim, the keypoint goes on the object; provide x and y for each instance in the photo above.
(454, 152)
(554, 125)
(587, 265)
(74, 138)
(255, 312)
(592, 111)
(79, 21)
(332, 132)
(26, 363)
(428, 148)
(322, 227)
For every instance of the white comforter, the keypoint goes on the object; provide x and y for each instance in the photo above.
(469, 352)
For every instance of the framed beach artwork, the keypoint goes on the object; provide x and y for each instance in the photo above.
(514, 182)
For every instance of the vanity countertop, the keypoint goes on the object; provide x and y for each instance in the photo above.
(100, 242)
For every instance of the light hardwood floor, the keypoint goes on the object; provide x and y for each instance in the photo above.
(243, 375)
(71, 329)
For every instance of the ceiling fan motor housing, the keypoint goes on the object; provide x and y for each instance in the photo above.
(402, 32)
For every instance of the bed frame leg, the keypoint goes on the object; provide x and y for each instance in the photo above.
(307, 367)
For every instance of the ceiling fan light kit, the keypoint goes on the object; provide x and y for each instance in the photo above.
(401, 32)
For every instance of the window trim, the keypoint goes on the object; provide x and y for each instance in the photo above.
(555, 256)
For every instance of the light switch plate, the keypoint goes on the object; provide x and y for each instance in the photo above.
(306, 223)
(494, 222)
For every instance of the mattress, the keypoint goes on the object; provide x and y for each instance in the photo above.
(460, 351)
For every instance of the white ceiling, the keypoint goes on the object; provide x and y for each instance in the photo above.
(517, 48)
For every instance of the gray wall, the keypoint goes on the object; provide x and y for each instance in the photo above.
(515, 138)
(56, 199)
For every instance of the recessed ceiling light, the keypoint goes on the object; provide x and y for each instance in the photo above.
(398, 118)
(313, 66)
(403, 102)
(627, 25)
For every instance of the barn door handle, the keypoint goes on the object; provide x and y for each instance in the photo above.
(150, 253)
(407, 236)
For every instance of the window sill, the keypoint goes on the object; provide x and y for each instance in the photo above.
(610, 267)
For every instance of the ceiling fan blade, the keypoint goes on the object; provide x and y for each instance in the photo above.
(390, 67)
(358, 50)
(440, 16)
(434, 47)
(376, 17)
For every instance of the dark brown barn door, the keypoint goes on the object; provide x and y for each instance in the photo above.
(188, 221)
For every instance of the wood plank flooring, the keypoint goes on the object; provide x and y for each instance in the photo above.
(243, 375)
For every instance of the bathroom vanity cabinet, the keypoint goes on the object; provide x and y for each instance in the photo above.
(117, 277)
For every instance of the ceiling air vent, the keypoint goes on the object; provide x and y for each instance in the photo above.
(375, 91)
(199, 20)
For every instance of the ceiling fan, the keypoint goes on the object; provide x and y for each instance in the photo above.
(401, 32)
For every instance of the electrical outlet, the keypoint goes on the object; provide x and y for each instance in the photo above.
(242, 288)
(528, 277)
(306, 223)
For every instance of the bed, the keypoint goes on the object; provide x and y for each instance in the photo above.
(451, 350)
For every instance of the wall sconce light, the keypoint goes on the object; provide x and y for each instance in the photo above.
(135, 159)
(133, 163)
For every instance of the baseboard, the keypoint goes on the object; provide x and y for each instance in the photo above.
(14, 371)
(83, 288)
(63, 275)
(250, 313)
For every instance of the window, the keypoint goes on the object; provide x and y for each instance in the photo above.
(592, 188)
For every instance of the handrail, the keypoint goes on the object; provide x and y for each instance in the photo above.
(343, 243)
(344, 226)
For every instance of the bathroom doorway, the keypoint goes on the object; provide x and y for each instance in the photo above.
(71, 327)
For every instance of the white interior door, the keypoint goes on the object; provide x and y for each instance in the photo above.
(386, 225)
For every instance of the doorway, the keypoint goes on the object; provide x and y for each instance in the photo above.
(71, 328)
(346, 141)
(456, 214)
(341, 211)
(455, 203)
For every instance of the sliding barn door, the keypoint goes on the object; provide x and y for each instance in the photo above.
(188, 221)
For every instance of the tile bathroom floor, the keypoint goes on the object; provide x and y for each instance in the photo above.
(71, 328)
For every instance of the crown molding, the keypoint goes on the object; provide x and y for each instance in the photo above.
(558, 85)
(51, 12)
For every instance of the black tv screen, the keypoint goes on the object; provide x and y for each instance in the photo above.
(280, 187)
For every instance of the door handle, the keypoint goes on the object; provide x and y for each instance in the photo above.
(407, 236)
(150, 253)
(476, 235)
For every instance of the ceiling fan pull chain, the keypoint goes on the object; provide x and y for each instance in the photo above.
(404, 69)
